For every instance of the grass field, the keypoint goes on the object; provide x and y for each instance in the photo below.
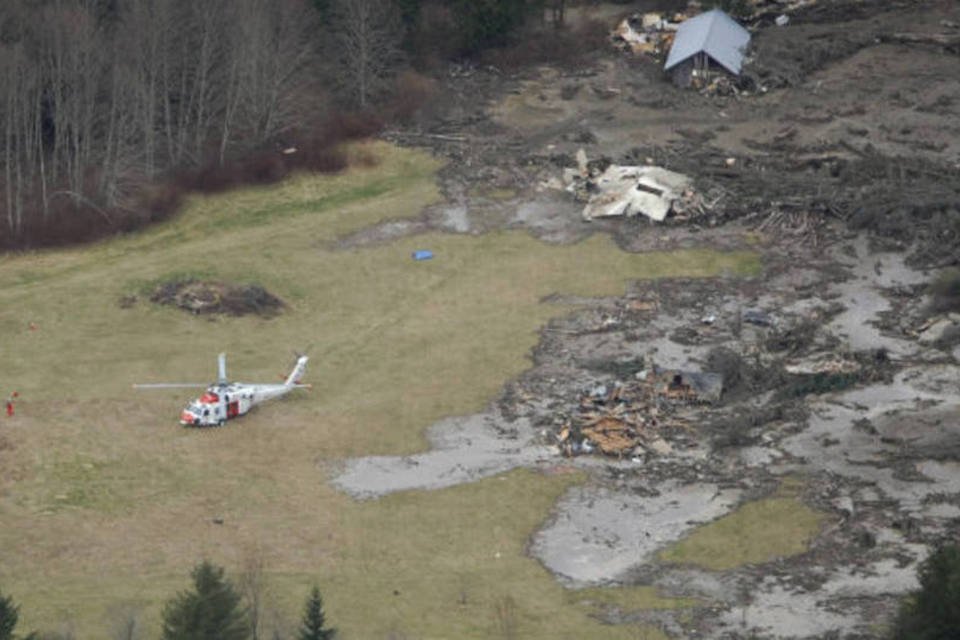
(757, 532)
(106, 503)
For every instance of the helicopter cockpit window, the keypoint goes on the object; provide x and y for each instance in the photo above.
(206, 413)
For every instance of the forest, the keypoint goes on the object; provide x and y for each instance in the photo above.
(112, 109)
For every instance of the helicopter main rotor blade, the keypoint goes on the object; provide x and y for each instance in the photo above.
(170, 385)
(222, 368)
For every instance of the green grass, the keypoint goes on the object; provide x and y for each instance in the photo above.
(103, 495)
(757, 532)
(92, 482)
(273, 214)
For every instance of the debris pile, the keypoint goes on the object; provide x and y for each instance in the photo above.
(646, 33)
(203, 297)
(622, 190)
(629, 419)
(719, 84)
(823, 363)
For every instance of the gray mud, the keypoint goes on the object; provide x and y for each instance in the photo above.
(598, 534)
(464, 449)
(836, 442)
(862, 295)
(784, 611)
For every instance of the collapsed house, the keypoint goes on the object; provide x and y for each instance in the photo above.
(619, 190)
(705, 44)
(635, 418)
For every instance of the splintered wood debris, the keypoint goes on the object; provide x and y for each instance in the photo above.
(628, 419)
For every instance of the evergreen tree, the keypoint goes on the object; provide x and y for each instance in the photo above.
(313, 620)
(409, 11)
(9, 614)
(211, 611)
(933, 613)
(486, 23)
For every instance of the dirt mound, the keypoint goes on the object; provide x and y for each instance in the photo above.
(206, 297)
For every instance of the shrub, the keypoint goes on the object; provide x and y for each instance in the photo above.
(412, 91)
(945, 291)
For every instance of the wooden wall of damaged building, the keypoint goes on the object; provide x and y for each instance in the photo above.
(694, 70)
(697, 71)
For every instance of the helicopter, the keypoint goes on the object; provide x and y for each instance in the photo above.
(224, 400)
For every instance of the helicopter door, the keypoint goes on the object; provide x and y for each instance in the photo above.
(233, 409)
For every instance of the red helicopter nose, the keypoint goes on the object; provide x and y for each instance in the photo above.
(187, 418)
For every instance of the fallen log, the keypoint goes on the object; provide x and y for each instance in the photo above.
(950, 41)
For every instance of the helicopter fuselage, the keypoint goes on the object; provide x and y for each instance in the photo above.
(221, 402)
(224, 400)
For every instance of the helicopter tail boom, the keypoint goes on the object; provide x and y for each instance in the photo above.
(294, 378)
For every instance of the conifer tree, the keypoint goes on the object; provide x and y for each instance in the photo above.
(933, 613)
(312, 627)
(9, 614)
(211, 611)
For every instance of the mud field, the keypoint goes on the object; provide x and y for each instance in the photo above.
(840, 163)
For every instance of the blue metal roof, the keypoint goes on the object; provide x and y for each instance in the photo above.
(716, 34)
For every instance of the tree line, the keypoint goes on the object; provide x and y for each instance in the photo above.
(212, 609)
(104, 104)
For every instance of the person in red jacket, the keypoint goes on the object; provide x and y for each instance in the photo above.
(10, 403)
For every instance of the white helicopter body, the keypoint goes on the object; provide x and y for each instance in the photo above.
(224, 400)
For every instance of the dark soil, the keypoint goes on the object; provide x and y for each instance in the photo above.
(204, 297)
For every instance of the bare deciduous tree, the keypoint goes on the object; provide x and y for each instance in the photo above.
(252, 585)
(125, 622)
(367, 35)
(99, 97)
